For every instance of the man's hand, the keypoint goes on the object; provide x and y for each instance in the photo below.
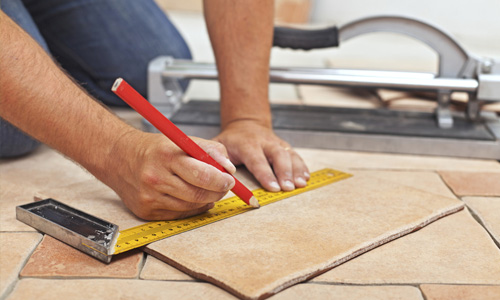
(261, 151)
(241, 33)
(158, 181)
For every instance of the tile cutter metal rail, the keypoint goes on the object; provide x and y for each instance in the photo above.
(475, 134)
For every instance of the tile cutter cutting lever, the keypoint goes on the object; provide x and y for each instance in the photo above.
(458, 71)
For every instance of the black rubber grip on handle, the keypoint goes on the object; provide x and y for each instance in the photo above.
(303, 39)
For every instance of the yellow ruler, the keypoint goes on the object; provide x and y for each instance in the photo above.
(150, 232)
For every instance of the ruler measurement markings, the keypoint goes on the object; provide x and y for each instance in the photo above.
(147, 233)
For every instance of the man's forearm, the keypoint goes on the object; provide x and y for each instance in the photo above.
(155, 179)
(241, 35)
(40, 99)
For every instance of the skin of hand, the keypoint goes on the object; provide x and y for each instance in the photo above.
(159, 181)
(261, 151)
(154, 178)
(241, 35)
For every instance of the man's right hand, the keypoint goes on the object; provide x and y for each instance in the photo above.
(158, 181)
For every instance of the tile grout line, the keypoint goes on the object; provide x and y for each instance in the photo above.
(422, 292)
(397, 284)
(480, 221)
(447, 186)
(141, 265)
(10, 288)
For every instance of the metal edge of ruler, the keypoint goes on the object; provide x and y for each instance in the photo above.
(144, 234)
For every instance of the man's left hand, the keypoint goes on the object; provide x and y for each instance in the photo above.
(262, 152)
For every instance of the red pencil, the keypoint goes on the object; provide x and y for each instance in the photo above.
(164, 125)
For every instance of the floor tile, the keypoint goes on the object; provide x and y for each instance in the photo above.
(462, 292)
(42, 169)
(12, 195)
(95, 198)
(95, 289)
(22, 178)
(54, 259)
(473, 183)
(317, 159)
(488, 211)
(453, 250)
(426, 181)
(337, 97)
(15, 248)
(155, 269)
(340, 221)
(338, 292)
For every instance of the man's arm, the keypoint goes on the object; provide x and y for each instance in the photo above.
(154, 178)
(241, 34)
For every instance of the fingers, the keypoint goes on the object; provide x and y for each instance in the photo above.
(290, 169)
(280, 159)
(195, 186)
(270, 159)
(256, 162)
(202, 175)
(300, 171)
(218, 152)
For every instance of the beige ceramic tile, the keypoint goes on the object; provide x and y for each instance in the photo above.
(399, 100)
(337, 97)
(54, 259)
(473, 183)
(155, 269)
(42, 169)
(95, 289)
(338, 292)
(492, 107)
(12, 195)
(426, 181)
(15, 248)
(95, 198)
(488, 211)
(454, 250)
(265, 250)
(317, 159)
(462, 292)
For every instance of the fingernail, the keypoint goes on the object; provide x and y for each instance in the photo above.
(288, 185)
(274, 187)
(301, 182)
(307, 175)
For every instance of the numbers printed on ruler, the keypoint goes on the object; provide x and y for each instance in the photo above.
(150, 232)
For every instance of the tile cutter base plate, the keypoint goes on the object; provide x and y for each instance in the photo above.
(374, 130)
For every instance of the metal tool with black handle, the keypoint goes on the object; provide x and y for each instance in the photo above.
(458, 71)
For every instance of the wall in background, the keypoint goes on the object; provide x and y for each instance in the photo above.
(474, 21)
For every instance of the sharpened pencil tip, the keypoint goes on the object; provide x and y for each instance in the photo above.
(254, 202)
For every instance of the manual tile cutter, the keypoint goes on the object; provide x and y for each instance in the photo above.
(475, 134)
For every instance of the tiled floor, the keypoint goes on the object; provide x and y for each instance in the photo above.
(454, 258)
